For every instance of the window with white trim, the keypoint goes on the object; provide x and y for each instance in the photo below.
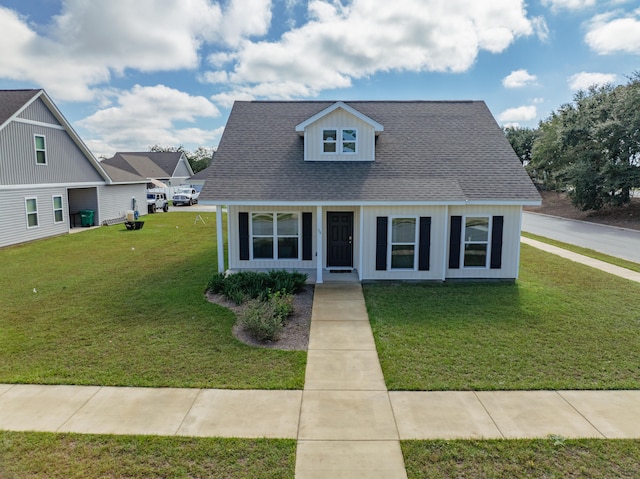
(403, 243)
(58, 214)
(339, 141)
(476, 241)
(275, 235)
(41, 149)
(31, 205)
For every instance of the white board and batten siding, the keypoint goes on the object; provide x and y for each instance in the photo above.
(337, 120)
(13, 215)
(438, 215)
(510, 242)
(234, 244)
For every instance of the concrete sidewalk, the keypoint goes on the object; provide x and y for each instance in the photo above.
(586, 260)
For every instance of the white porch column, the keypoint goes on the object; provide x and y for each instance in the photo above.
(360, 242)
(319, 245)
(219, 239)
(445, 242)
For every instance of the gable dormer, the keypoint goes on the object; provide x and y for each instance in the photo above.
(339, 133)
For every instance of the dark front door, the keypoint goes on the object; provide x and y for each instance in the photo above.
(340, 239)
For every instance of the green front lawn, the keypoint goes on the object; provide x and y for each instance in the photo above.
(560, 326)
(522, 459)
(67, 456)
(115, 307)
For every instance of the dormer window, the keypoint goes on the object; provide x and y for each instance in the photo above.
(325, 140)
(339, 141)
(329, 140)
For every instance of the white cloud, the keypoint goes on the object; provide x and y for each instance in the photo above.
(521, 113)
(584, 80)
(88, 42)
(568, 4)
(608, 34)
(146, 116)
(518, 79)
(345, 42)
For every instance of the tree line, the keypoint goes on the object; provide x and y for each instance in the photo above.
(589, 148)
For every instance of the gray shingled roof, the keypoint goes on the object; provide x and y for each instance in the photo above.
(12, 100)
(149, 164)
(428, 152)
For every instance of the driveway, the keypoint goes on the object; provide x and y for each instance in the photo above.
(619, 242)
(195, 208)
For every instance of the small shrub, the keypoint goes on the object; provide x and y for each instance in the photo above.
(216, 283)
(290, 282)
(282, 304)
(247, 284)
(261, 320)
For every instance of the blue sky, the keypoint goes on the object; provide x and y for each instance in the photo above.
(131, 74)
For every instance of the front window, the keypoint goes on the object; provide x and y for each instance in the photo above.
(403, 243)
(275, 235)
(58, 216)
(41, 150)
(32, 212)
(476, 241)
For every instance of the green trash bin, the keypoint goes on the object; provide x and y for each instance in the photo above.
(86, 217)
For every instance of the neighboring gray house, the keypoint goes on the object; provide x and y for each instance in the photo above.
(47, 174)
(393, 190)
(160, 168)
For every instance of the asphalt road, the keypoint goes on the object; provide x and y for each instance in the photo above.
(619, 242)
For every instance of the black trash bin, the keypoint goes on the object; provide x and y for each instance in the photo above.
(86, 217)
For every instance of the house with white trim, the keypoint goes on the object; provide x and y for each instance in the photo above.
(391, 190)
(48, 175)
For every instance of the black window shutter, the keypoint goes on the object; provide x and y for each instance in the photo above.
(496, 242)
(454, 242)
(307, 236)
(243, 234)
(424, 246)
(381, 243)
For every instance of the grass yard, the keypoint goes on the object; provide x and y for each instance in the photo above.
(68, 456)
(623, 263)
(522, 459)
(560, 326)
(115, 307)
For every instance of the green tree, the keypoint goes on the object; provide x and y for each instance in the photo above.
(522, 140)
(591, 147)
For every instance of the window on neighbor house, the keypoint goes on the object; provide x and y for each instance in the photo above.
(32, 212)
(476, 241)
(58, 215)
(403, 243)
(275, 235)
(339, 141)
(41, 150)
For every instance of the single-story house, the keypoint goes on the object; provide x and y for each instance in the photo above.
(48, 175)
(160, 168)
(392, 190)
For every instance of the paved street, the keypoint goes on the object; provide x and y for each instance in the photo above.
(618, 242)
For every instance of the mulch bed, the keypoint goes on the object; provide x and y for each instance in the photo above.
(294, 337)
